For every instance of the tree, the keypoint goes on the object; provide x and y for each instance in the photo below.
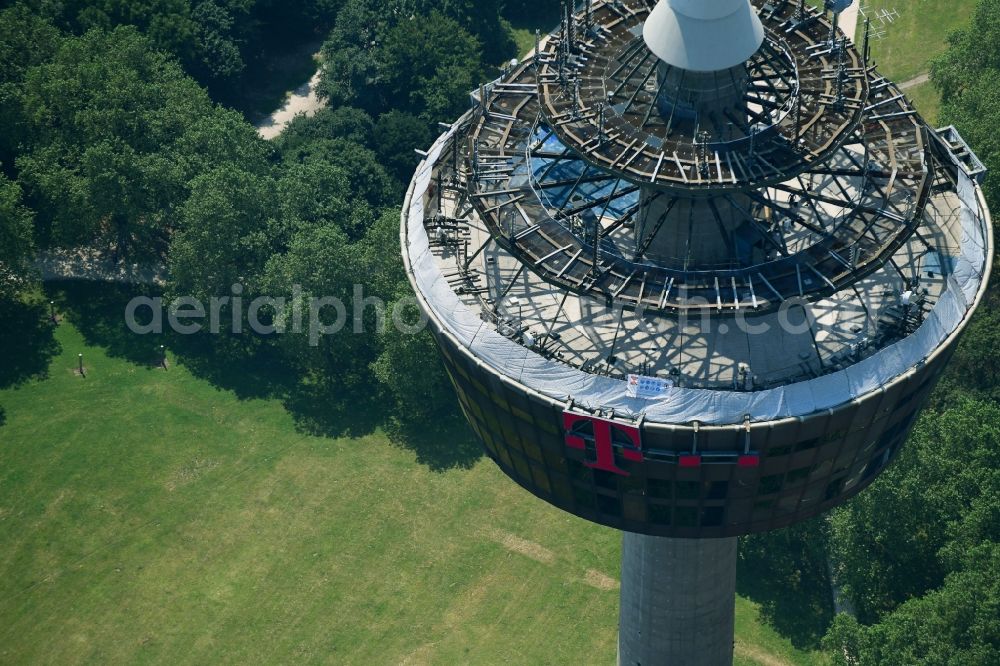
(406, 362)
(216, 137)
(349, 67)
(971, 51)
(786, 572)
(229, 229)
(335, 343)
(221, 43)
(380, 251)
(397, 135)
(410, 370)
(115, 131)
(482, 19)
(975, 111)
(368, 180)
(99, 114)
(967, 75)
(207, 36)
(218, 54)
(316, 193)
(902, 536)
(974, 370)
(167, 23)
(959, 623)
(382, 56)
(917, 552)
(431, 63)
(345, 122)
(16, 246)
(317, 275)
(26, 40)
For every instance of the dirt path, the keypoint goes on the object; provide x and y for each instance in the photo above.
(758, 655)
(91, 265)
(915, 81)
(302, 100)
(848, 22)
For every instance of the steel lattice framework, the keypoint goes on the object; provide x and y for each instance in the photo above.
(870, 142)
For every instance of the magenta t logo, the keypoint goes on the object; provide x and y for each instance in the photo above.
(604, 434)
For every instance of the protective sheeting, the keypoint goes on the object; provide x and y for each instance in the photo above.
(682, 405)
(971, 264)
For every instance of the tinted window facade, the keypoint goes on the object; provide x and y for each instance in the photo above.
(668, 480)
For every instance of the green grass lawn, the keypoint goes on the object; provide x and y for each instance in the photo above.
(544, 17)
(927, 100)
(148, 516)
(525, 40)
(918, 35)
(913, 40)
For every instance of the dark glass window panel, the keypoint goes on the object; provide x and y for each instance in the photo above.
(770, 484)
(686, 516)
(579, 472)
(633, 508)
(660, 488)
(554, 461)
(688, 490)
(632, 484)
(660, 513)
(605, 479)
(609, 505)
(797, 475)
(712, 516)
(808, 444)
(561, 488)
(584, 498)
(522, 467)
(716, 490)
(538, 476)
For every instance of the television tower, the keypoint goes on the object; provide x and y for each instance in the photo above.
(693, 269)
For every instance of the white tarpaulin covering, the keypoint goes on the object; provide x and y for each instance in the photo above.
(684, 405)
(971, 264)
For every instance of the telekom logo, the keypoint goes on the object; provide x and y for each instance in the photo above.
(602, 433)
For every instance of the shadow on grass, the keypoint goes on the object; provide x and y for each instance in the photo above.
(446, 444)
(785, 571)
(27, 342)
(246, 365)
(241, 364)
(542, 15)
(332, 411)
(249, 366)
(97, 310)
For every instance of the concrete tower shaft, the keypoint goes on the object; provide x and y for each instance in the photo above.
(686, 97)
(678, 595)
(696, 232)
(702, 77)
(677, 601)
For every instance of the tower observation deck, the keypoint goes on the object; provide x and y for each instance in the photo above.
(693, 269)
